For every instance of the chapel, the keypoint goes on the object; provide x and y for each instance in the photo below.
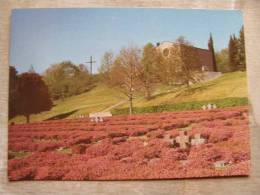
(205, 60)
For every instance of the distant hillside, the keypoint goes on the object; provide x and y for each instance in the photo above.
(102, 97)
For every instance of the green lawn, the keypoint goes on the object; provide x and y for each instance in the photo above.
(95, 100)
(102, 97)
(228, 85)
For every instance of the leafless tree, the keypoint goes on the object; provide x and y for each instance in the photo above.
(106, 64)
(147, 69)
(124, 74)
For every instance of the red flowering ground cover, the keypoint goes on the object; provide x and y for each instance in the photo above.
(131, 147)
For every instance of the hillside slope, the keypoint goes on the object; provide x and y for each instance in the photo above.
(98, 99)
(229, 85)
(101, 97)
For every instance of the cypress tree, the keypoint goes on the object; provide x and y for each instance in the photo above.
(234, 53)
(242, 53)
(231, 49)
(211, 49)
(237, 52)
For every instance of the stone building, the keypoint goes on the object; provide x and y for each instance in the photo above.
(204, 57)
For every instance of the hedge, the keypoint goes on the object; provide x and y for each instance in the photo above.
(195, 105)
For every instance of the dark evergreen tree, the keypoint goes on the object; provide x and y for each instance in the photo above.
(237, 51)
(242, 53)
(237, 56)
(233, 53)
(211, 49)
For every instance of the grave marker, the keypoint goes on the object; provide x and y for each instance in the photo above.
(209, 106)
(220, 164)
(197, 140)
(98, 116)
(182, 139)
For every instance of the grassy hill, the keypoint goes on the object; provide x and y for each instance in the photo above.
(95, 100)
(101, 97)
(228, 85)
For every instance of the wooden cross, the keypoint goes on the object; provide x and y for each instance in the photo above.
(204, 107)
(209, 106)
(197, 140)
(91, 62)
(182, 140)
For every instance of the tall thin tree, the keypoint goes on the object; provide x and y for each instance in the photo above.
(242, 52)
(124, 74)
(147, 69)
(212, 50)
(232, 53)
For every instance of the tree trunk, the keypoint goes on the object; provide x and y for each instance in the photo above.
(147, 86)
(27, 118)
(148, 94)
(187, 83)
(130, 105)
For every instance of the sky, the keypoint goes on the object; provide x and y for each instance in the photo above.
(42, 37)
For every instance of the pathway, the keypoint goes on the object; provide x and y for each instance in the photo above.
(114, 106)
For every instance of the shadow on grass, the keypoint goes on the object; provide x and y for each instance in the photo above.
(192, 90)
(165, 93)
(184, 91)
(61, 116)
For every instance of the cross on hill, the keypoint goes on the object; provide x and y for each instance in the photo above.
(91, 62)
(182, 139)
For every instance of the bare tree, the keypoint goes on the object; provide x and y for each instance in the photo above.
(147, 69)
(106, 64)
(124, 74)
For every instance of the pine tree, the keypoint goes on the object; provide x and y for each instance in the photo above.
(211, 49)
(233, 53)
(242, 55)
(237, 52)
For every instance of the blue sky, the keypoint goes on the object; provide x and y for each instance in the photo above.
(41, 37)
